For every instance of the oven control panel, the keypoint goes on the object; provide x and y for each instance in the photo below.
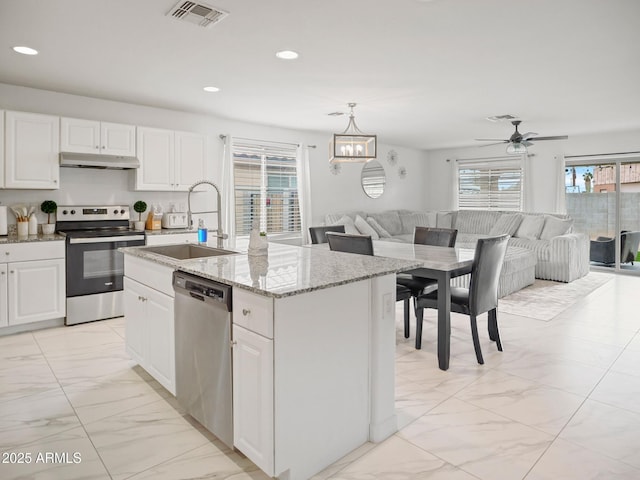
(87, 213)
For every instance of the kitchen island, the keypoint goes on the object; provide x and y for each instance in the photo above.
(314, 348)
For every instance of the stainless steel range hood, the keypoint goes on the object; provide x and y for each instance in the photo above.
(90, 160)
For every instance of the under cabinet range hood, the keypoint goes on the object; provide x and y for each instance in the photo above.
(91, 160)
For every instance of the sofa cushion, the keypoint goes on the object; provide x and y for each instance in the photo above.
(554, 227)
(507, 224)
(390, 221)
(417, 219)
(332, 218)
(365, 229)
(444, 220)
(349, 225)
(476, 221)
(530, 227)
(378, 228)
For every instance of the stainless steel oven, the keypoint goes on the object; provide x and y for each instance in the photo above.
(94, 266)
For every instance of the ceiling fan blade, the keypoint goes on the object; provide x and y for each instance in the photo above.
(528, 135)
(490, 144)
(492, 140)
(559, 137)
(526, 143)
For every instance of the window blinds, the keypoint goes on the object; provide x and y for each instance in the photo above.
(265, 187)
(490, 185)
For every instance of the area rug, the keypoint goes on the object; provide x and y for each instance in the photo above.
(545, 299)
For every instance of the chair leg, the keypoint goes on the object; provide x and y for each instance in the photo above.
(476, 341)
(407, 330)
(419, 317)
(494, 334)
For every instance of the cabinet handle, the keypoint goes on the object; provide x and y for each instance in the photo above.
(103, 147)
(2, 273)
(246, 311)
(233, 343)
(12, 271)
(7, 253)
(97, 147)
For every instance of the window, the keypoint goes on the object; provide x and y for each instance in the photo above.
(490, 185)
(265, 187)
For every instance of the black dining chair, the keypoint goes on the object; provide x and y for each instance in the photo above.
(480, 297)
(319, 234)
(437, 237)
(363, 245)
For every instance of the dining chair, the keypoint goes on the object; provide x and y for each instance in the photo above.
(437, 237)
(363, 245)
(481, 296)
(319, 234)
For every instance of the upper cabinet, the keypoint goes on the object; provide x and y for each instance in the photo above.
(169, 160)
(32, 145)
(90, 136)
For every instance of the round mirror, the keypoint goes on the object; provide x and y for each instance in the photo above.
(373, 179)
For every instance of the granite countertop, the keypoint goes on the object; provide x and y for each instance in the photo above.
(169, 231)
(14, 238)
(286, 270)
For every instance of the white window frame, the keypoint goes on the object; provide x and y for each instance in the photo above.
(489, 198)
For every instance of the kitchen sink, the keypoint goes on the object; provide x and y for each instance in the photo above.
(186, 251)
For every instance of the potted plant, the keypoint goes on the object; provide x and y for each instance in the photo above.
(139, 207)
(587, 176)
(49, 207)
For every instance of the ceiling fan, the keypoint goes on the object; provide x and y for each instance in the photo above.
(518, 142)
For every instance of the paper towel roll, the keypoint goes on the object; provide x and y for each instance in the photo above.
(3, 220)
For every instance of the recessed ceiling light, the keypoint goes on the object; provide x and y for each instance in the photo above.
(287, 54)
(25, 50)
(211, 89)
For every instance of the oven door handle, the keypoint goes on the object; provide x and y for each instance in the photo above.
(123, 238)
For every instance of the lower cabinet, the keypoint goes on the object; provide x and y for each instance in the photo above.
(149, 320)
(253, 397)
(4, 313)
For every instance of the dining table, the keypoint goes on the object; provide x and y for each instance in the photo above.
(438, 263)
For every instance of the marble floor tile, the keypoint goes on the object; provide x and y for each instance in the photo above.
(628, 363)
(21, 344)
(343, 462)
(567, 461)
(37, 416)
(76, 337)
(480, 442)
(414, 400)
(76, 460)
(138, 439)
(24, 375)
(530, 403)
(607, 430)
(620, 390)
(396, 458)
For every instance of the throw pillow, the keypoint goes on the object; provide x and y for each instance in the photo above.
(365, 229)
(417, 219)
(378, 228)
(390, 221)
(508, 224)
(444, 220)
(554, 226)
(530, 227)
(349, 226)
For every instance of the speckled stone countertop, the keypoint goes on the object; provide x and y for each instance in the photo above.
(14, 238)
(286, 270)
(169, 231)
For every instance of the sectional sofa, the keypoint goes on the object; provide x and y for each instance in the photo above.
(541, 243)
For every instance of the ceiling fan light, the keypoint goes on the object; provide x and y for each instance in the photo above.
(516, 149)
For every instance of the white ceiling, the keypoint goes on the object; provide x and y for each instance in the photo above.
(424, 73)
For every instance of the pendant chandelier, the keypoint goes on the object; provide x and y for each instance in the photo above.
(352, 146)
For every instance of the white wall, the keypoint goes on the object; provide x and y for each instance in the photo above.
(329, 193)
(439, 172)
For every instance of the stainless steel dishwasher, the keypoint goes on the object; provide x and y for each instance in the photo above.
(203, 352)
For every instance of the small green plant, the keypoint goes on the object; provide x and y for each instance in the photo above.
(263, 234)
(48, 207)
(140, 207)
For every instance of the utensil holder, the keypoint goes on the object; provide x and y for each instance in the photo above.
(23, 229)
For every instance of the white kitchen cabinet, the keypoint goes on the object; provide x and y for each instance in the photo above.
(1, 148)
(32, 145)
(32, 282)
(169, 160)
(91, 136)
(149, 318)
(253, 428)
(172, 238)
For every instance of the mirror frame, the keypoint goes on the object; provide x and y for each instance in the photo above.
(373, 179)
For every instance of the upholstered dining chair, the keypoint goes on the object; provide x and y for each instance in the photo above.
(438, 237)
(481, 296)
(319, 234)
(362, 244)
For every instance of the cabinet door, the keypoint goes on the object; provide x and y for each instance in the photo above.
(36, 291)
(118, 139)
(1, 148)
(161, 358)
(79, 135)
(4, 319)
(190, 163)
(253, 397)
(134, 319)
(155, 148)
(32, 148)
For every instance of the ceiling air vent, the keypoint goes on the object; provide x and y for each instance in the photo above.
(197, 13)
(501, 118)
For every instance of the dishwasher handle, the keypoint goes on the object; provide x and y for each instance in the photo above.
(203, 289)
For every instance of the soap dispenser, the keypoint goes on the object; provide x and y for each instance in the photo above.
(202, 232)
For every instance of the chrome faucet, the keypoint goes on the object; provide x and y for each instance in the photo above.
(220, 235)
